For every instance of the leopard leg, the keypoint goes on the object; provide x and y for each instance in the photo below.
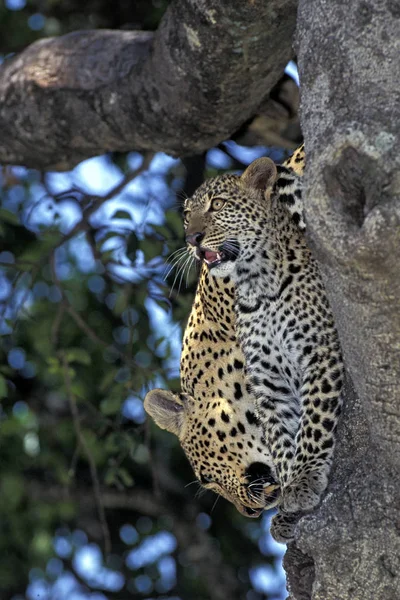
(277, 407)
(279, 417)
(320, 408)
(283, 527)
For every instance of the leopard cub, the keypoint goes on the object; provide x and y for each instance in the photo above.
(251, 229)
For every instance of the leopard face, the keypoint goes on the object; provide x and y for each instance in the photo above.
(228, 215)
(210, 218)
(224, 444)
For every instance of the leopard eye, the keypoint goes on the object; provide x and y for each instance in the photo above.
(216, 204)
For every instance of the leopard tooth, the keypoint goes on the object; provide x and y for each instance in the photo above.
(269, 487)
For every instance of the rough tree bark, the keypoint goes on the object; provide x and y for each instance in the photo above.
(348, 53)
(211, 62)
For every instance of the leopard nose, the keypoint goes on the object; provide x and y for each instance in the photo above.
(194, 239)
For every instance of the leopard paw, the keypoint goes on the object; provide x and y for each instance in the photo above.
(283, 526)
(303, 493)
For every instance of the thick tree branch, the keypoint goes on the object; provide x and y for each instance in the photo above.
(182, 90)
(349, 68)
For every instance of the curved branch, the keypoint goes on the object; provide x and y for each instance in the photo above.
(180, 90)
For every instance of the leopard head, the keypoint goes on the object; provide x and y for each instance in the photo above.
(226, 216)
(225, 448)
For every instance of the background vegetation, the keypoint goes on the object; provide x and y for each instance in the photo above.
(96, 502)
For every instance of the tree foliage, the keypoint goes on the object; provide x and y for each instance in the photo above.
(88, 325)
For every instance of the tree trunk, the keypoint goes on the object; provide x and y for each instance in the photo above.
(349, 548)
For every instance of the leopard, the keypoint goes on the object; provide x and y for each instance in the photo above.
(214, 415)
(248, 228)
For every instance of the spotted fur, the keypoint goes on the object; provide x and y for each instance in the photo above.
(215, 416)
(283, 320)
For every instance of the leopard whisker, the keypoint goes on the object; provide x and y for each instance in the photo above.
(215, 503)
(186, 266)
(189, 269)
(181, 197)
(183, 249)
(177, 275)
(180, 273)
(172, 264)
(256, 482)
(192, 482)
(200, 492)
(254, 497)
(231, 245)
(173, 261)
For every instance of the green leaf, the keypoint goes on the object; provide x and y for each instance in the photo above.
(78, 355)
(38, 250)
(107, 379)
(3, 387)
(42, 543)
(12, 489)
(8, 216)
(113, 443)
(122, 214)
(5, 369)
(174, 221)
(163, 231)
(53, 361)
(110, 406)
(95, 445)
(107, 255)
(122, 300)
(110, 477)
(125, 477)
(151, 248)
(54, 365)
(174, 384)
(66, 510)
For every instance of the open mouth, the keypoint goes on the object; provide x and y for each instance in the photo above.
(270, 500)
(253, 513)
(262, 489)
(213, 258)
(271, 495)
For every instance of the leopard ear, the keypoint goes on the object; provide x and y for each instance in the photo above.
(260, 174)
(166, 409)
